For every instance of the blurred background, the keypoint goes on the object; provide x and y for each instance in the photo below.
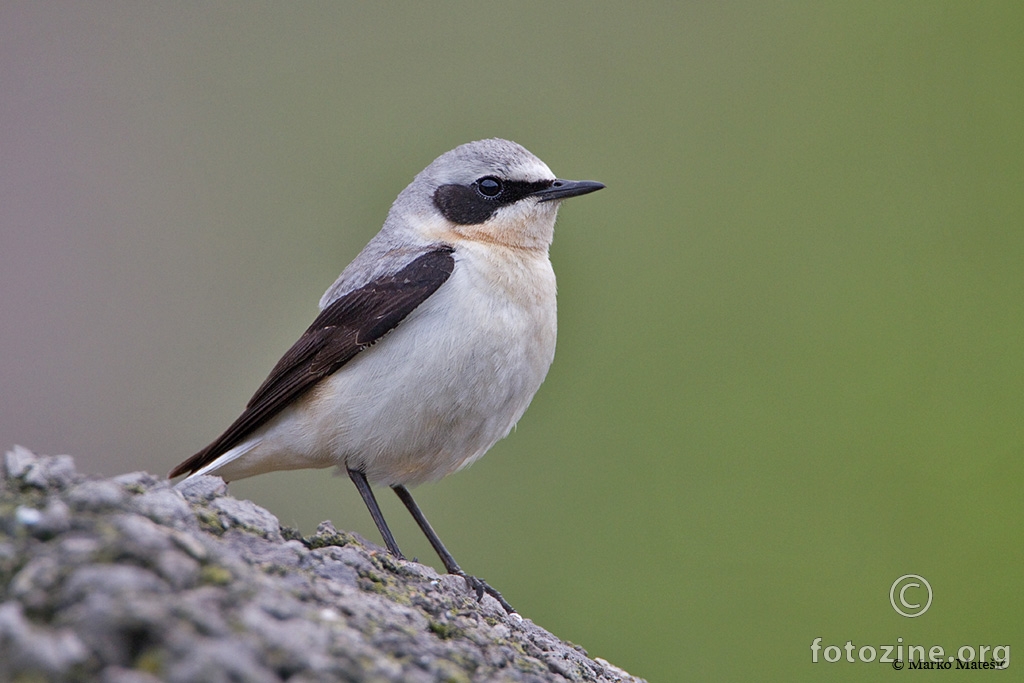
(789, 363)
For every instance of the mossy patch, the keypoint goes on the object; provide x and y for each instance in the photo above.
(323, 540)
(215, 575)
(445, 631)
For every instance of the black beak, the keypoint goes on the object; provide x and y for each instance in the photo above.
(560, 189)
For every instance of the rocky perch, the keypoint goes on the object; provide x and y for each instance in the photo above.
(133, 580)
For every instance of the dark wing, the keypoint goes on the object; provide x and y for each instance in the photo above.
(343, 329)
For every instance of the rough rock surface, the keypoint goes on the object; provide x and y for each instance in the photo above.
(132, 580)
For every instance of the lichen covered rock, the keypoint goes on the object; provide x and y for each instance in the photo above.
(133, 580)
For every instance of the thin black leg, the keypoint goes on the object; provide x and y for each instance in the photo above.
(479, 586)
(359, 479)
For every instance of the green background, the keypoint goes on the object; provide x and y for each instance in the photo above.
(789, 363)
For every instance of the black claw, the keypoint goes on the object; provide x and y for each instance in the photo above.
(479, 586)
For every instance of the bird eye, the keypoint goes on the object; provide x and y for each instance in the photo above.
(489, 187)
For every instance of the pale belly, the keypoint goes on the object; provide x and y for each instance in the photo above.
(431, 396)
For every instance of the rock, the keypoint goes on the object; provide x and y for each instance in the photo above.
(132, 580)
(202, 489)
(165, 505)
(50, 471)
(96, 496)
(27, 647)
(247, 515)
(17, 461)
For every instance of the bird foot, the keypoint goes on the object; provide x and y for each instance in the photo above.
(479, 586)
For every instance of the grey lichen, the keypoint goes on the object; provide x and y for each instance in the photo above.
(132, 579)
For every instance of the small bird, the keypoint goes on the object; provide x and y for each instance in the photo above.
(428, 347)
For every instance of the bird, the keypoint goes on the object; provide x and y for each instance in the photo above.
(429, 346)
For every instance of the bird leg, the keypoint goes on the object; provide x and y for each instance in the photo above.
(478, 586)
(359, 479)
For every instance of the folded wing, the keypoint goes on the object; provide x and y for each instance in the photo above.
(348, 325)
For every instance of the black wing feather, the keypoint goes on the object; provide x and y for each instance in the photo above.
(343, 329)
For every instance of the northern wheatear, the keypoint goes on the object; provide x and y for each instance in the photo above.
(428, 347)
